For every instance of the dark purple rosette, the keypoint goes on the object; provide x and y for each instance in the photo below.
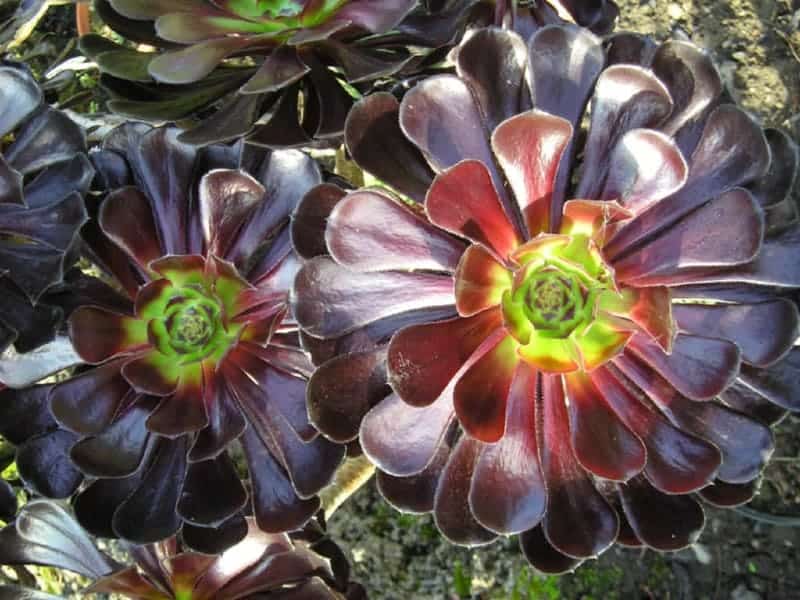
(44, 172)
(193, 360)
(440, 24)
(231, 64)
(526, 17)
(575, 317)
(301, 565)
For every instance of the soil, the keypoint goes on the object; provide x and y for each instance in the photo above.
(756, 44)
(402, 557)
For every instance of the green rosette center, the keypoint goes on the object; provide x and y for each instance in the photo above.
(552, 307)
(188, 318)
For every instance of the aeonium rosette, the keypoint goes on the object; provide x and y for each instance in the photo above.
(527, 16)
(44, 173)
(194, 361)
(302, 565)
(271, 70)
(571, 335)
(185, 322)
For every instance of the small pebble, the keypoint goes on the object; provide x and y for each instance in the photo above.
(742, 593)
(702, 554)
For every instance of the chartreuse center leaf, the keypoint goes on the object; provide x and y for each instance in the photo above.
(242, 26)
(601, 341)
(253, 9)
(552, 307)
(183, 594)
(184, 315)
(273, 16)
(135, 332)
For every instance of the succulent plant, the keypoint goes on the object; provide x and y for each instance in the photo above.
(18, 18)
(232, 64)
(192, 360)
(442, 23)
(43, 174)
(562, 331)
(526, 17)
(305, 564)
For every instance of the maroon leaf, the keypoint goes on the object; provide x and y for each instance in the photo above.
(424, 359)
(330, 300)
(481, 391)
(343, 389)
(492, 62)
(402, 440)
(530, 147)
(624, 98)
(369, 231)
(699, 367)
(645, 167)
(603, 445)
(88, 401)
(276, 505)
(727, 231)
(99, 334)
(727, 495)
(226, 199)
(197, 506)
(120, 449)
(44, 466)
(180, 412)
(148, 514)
(480, 281)
(777, 383)
(463, 200)
(225, 421)
(542, 555)
(451, 508)
(416, 493)
(376, 143)
(281, 68)
(127, 218)
(311, 218)
(731, 152)
(511, 465)
(764, 332)
(376, 18)
(195, 62)
(145, 375)
(583, 524)
(747, 400)
(440, 116)
(645, 508)
(677, 462)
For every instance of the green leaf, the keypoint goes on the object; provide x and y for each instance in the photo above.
(461, 582)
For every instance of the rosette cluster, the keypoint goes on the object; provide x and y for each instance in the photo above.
(303, 565)
(188, 357)
(44, 173)
(527, 17)
(573, 318)
(235, 63)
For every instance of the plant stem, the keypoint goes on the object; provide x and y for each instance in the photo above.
(353, 474)
(348, 169)
(82, 19)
